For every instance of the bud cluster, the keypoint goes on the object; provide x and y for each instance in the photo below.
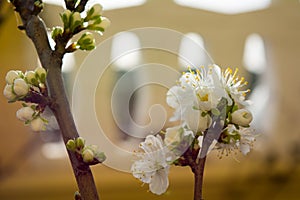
(29, 87)
(73, 23)
(87, 153)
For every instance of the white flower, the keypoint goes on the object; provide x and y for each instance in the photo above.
(200, 89)
(241, 139)
(20, 87)
(37, 124)
(233, 84)
(195, 121)
(242, 117)
(180, 99)
(11, 76)
(247, 139)
(151, 166)
(25, 113)
(8, 93)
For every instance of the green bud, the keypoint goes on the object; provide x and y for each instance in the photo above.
(57, 31)
(86, 42)
(100, 25)
(71, 146)
(75, 21)
(30, 77)
(80, 142)
(88, 155)
(65, 17)
(100, 156)
(94, 13)
(41, 73)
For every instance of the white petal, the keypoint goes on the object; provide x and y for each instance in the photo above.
(159, 182)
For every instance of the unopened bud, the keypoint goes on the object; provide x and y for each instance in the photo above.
(20, 87)
(80, 142)
(71, 145)
(94, 12)
(75, 21)
(25, 113)
(37, 124)
(11, 76)
(88, 155)
(100, 156)
(57, 31)
(242, 117)
(41, 74)
(86, 42)
(8, 93)
(100, 25)
(31, 78)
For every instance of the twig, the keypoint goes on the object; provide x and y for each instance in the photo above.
(52, 61)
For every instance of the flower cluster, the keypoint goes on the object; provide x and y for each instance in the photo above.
(210, 106)
(73, 23)
(30, 88)
(87, 153)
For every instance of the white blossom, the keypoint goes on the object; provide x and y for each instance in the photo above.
(233, 85)
(151, 166)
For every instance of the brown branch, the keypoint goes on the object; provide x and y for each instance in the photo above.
(52, 61)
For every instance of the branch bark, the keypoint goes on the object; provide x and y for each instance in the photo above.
(198, 181)
(52, 61)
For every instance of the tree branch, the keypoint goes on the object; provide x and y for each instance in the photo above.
(52, 61)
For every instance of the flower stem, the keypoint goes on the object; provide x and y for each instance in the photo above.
(198, 175)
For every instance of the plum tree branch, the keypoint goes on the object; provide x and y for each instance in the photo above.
(52, 61)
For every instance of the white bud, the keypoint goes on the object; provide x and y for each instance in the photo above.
(88, 155)
(94, 12)
(37, 124)
(11, 76)
(8, 93)
(86, 42)
(242, 117)
(20, 87)
(25, 113)
(98, 9)
(40, 71)
(105, 23)
(30, 77)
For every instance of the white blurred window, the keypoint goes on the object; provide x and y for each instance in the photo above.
(192, 51)
(226, 6)
(254, 54)
(125, 51)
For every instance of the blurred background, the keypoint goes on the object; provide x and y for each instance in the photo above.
(261, 37)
